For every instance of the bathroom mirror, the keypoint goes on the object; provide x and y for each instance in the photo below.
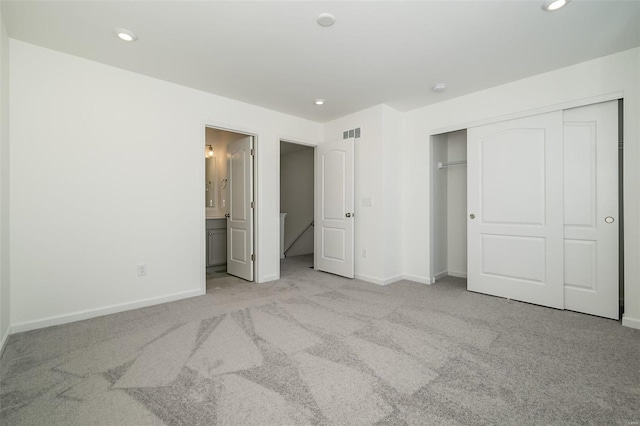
(211, 182)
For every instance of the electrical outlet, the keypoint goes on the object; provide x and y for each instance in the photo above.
(142, 269)
(364, 252)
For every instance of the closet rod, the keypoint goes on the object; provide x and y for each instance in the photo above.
(442, 164)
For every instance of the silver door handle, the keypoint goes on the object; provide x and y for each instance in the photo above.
(609, 219)
(227, 215)
(472, 216)
(348, 215)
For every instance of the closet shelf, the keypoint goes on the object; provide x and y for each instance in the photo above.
(443, 164)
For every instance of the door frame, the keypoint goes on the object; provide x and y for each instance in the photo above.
(203, 211)
(619, 96)
(315, 158)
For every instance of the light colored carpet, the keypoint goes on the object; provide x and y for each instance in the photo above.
(313, 348)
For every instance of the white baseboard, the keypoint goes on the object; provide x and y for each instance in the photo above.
(268, 278)
(369, 279)
(439, 275)
(393, 279)
(458, 274)
(379, 281)
(630, 322)
(417, 279)
(3, 341)
(98, 312)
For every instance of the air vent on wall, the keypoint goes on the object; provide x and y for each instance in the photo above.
(353, 133)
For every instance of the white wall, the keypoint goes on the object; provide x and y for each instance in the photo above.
(457, 205)
(378, 176)
(5, 292)
(393, 128)
(80, 128)
(296, 199)
(578, 84)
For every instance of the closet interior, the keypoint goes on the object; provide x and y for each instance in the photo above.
(449, 205)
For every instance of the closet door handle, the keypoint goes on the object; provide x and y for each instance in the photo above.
(609, 219)
(227, 215)
(472, 216)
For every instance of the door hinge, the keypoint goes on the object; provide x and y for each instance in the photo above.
(253, 152)
(253, 257)
(253, 205)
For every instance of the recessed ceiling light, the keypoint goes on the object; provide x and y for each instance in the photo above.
(551, 5)
(326, 19)
(126, 35)
(440, 87)
(319, 102)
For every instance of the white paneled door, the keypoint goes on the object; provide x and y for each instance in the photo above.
(515, 204)
(334, 215)
(240, 216)
(591, 218)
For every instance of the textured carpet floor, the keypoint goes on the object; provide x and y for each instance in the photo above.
(313, 348)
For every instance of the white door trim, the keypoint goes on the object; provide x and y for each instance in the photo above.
(536, 111)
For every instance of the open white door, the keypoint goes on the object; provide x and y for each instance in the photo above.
(334, 207)
(240, 216)
(515, 220)
(591, 209)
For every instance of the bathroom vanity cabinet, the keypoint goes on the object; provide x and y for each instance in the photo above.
(216, 237)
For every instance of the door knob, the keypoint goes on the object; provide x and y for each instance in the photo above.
(472, 216)
(348, 215)
(609, 219)
(227, 215)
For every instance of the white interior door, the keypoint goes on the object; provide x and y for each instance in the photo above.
(515, 220)
(334, 207)
(591, 209)
(240, 216)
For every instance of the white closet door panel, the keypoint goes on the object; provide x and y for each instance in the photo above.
(528, 266)
(580, 174)
(513, 177)
(580, 267)
(515, 224)
(591, 195)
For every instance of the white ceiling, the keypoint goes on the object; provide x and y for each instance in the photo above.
(273, 54)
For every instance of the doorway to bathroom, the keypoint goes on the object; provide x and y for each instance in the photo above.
(297, 168)
(229, 205)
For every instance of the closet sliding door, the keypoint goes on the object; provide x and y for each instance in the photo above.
(543, 209)
(515, 209)
(591, 219)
